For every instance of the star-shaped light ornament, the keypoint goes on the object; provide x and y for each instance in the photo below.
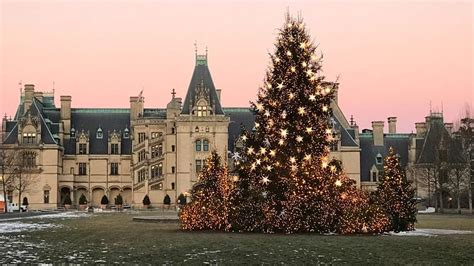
(291, 95)
(253, 166)
(281, 142)
(309, 129)
(269, 167)
(338, 183)
(288, 53)
(283, 133)
(304, 64)
(301, 111)
(265, 180)
(292, 159)
(258, 161)
(283, 114)
(263, 150)
(303, 45)
(267, 113)
(299, 138)
(312, 97)
(293, 69)
(259, 106)
(244, 138)
(272, 153)
(307, 157)
(250, 150)
(280, 86)
(325, 108)
(257, 125)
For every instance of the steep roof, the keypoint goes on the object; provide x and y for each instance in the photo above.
(369, 152)
(108, 120)
(437, 136)
(201, 74)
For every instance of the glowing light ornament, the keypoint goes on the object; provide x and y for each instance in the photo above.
(244, 138)
(253, 166)
(314, 57)
(328, 131)
(269, 85)
(289, 25)
(325, 108)
(235, 178)
(291, 96)
(324, 164)
(333, 168)
(309, 130)
(259, 106)
(299, 138)
(283, 114)
(293, 69)
(265, 180)
(312, 97)
(338, 183)
(309, 72)
(283, 133)
(304, 64)
(269, 167)
(280, 86)
(307, 157)
(263, 150)
(273, 153)
(257, 125)
(277, 60)
(301, 111)
(267, 113)
(281, 142)
(258, 161)
(327, 90)
(292, 159)
(288, 53)
(250, 150)
(303, 45)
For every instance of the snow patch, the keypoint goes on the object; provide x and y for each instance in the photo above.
(16, 227)
(428, 210)
(429, 232)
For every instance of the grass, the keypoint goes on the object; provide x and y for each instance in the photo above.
(115, 238)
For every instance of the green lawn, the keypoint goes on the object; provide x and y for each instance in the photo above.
(115, 238)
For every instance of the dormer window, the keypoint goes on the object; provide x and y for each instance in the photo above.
(126, 133)
(29, 138)
(73, 133)
(100, 134)
(196, 129)
(202, 110)
(379, 159)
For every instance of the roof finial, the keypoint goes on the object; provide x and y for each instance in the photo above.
(352, 120)
(206, 51)
(195, 48)
(173, 93)
(20, 83)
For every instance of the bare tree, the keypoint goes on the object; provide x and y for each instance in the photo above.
(7, 162)
(458, 180)
(25, 172)
(465, 132)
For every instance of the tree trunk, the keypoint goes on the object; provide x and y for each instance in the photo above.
(470, 198)
(4, 194)
(440, 201)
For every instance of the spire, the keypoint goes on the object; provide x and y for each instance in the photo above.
(201, 83)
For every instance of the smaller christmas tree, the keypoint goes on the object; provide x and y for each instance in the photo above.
(395, 195)
(208, 209)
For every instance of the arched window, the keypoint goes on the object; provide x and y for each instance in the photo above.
(206, 145)
(198, 145)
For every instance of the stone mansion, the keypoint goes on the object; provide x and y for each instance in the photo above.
(140, 151)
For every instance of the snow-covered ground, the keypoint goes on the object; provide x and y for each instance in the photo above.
(16, 225)
(428, 210)
(430, 232)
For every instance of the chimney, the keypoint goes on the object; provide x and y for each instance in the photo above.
(377, 127)
(449, 127)
(29, 94)
(65, 113)
(136, 107)
(420, 129)
(392, 125)
(219, 94)
(4, 128)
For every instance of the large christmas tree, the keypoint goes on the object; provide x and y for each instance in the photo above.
(285, 168)
(395, 195)
(208, 209)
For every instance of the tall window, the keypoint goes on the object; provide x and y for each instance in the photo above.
(46, 196)
(205, 145)
(82, 148)
(173, 148)
(374, 176)
(173, 169)
(141, 137)
(114, 148)
(29, 159)
(29, 138)
(198, 145)
(156, 150)
(82, 169)
(198, 166)
(157, 170)
(141, 155)
(141, 175)
(114, 168)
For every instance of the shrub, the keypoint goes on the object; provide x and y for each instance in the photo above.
(82, 199)
(67, 200)
(119, 200)
(146, 200)
(25, 201)
(104, 200)
(167, 200)
(181, 199)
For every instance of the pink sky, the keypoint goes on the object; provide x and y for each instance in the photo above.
(393, 57)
